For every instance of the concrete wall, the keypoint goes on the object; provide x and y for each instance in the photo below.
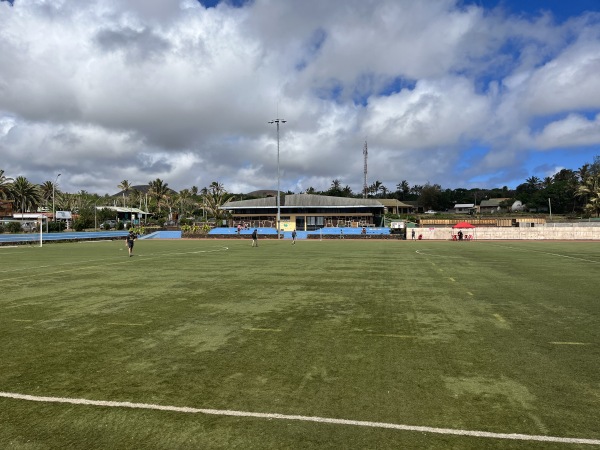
(547, 232)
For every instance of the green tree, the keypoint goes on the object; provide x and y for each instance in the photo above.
(48, 190)
(27, 196)
(158, 189)
(402, 190)
(562, 192)
(430, 197)
(213, 198)
(375, 187)
(590, 190)
(125, 186)
(335, 189)
(185, 201)
(5, 185)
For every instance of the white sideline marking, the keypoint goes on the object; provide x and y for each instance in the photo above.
(359, 423)
(113, 261)
(551, 254)
(274, 330)
(570, 343)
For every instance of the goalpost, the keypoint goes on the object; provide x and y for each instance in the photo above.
(27, 218)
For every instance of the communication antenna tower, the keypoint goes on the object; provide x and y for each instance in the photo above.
(365, 154)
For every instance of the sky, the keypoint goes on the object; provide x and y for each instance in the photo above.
(462, 93)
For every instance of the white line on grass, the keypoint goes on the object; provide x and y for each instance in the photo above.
(571, 343)
(359, 423)
(548, 253)
(118, 260)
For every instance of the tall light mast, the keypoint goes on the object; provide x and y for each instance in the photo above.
(365, 154)
(277, 122)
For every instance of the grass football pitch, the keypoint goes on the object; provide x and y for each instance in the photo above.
(337, 344)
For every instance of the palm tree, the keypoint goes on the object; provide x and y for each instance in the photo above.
(135, 197)
(66, 202)
(184, 199)
(125, 186)
(216, 187)
(48, 189)
(533, 183)
(169, 202)
(347, 191)
(27, 196)
(403, 189)
(583, 172)
(158, 189)
(213, 198)
(590, 191)
(5, 185)
(375, 187)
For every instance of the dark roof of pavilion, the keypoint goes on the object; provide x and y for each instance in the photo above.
(304, 201)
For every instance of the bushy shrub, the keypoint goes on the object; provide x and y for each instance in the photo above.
(1, 228)
(138, 231)
(54, 227)
(82, 224)
(120, 226)
(14, 227)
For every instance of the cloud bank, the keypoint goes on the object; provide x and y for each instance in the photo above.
(443, 91)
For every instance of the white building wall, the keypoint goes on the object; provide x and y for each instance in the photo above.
(514, 233)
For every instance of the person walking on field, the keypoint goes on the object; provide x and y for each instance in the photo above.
(255, 238)
(129, 241)
(293, 237)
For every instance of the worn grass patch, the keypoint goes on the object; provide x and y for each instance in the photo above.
(499, 337)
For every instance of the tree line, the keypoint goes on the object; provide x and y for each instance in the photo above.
(568, 192)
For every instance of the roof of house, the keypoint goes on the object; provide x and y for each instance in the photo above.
(304, 201)
(493, 202)
(464, 205)
(121, 209)
(394, 202)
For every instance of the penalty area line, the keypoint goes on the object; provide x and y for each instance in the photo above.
(360, 423)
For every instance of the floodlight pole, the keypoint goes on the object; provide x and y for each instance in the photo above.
(53, 189)
(277, 122)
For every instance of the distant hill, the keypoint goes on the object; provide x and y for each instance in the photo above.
(262, 193)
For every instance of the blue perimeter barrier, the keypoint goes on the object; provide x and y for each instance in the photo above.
(97, 235)
(330, 231)
(162, 235)
(63, 236)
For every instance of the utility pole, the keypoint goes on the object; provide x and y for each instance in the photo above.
(53, 189)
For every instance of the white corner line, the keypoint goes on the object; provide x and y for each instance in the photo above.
(360, 423)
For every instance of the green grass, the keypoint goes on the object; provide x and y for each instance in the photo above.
(489, 336)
